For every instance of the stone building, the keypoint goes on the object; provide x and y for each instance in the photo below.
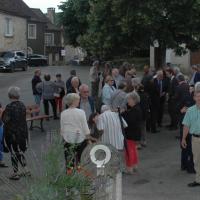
(53, 39)
(36, 32)
(13, 25)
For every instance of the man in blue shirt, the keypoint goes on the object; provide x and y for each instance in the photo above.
(191, 124)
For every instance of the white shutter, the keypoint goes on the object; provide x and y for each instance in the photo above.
(8, 27)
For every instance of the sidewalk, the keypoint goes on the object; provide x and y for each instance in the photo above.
(159, 176)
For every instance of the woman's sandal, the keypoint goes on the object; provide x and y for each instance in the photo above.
(25, 174)
(14, 177)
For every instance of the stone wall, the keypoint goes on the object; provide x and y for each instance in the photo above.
(182, 61)
(19, 39)
(195, 57)
(106, 185)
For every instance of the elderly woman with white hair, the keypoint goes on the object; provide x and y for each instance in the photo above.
(109, 122)
(75, 83)
(74, 130)
(108, 90)
(16, 132)
(133, 117)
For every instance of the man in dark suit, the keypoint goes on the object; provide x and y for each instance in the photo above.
(69, 80)
(86, 101)
(196, 75)
(157, 94)
(184, 100)
(171, 100)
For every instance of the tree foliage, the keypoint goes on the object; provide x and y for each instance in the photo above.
(114, 27)
(74, 19)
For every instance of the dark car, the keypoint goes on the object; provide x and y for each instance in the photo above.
(11, 60)
(37, 60)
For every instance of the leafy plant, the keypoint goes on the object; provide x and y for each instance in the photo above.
(55, 183)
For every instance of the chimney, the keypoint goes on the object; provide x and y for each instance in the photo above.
(51, 14)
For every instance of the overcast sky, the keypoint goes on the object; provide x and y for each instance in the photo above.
(43, 4)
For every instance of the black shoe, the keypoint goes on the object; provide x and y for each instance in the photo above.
(3, 165)
(169, 126)
(191, 171)
(148, 130)
(183, 168)
(14, 177)
(194, 184)
(172, 128)
(155, 131)
(56, 118)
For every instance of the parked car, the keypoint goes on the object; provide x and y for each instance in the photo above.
(37, 60)
(75, 61)
(11, 60)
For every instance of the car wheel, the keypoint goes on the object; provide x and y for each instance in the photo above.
(25, 67)
(42, 63)
(12, 68)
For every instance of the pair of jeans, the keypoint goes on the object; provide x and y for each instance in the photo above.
(17, 156)
(187, 162)
(46, 106)
(37, 99)
(1, 145)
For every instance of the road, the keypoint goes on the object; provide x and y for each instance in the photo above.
(159, 176)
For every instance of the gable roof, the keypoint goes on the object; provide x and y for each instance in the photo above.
(40, 15)
(15, 7)
(52, 27)
(43, 18)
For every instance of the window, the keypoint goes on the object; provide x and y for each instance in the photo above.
(32, 31)
(20, 54)
(8, 27)
(49, 39)
(6, 55)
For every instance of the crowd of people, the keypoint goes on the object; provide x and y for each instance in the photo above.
(122, 108)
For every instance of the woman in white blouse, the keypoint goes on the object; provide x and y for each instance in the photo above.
(74, 130)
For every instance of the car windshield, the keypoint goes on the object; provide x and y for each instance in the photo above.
(6, 55)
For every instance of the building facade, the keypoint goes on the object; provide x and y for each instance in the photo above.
(13, 25)
(36, 32)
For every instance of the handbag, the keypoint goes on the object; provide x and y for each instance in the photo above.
(123, 131)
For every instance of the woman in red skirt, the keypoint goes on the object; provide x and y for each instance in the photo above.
(133, 117)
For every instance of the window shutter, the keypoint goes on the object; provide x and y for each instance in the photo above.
(11, 28)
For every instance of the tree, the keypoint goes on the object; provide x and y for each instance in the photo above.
(74, 19)
(103, 36)
(114, 27)
(171, 23)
